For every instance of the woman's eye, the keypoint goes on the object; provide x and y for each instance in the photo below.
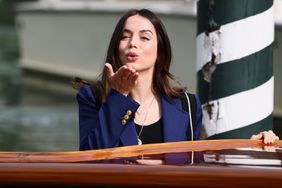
(145, 38)
(124, 37)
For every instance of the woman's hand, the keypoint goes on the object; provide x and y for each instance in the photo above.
(268, 137)
(123, 80)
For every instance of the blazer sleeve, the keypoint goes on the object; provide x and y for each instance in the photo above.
(101, 126)
(199, 116)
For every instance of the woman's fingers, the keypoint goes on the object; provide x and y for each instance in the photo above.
(123, 80)
(256, 137)
(271, 136)
(128, 74)
(109, 69)
(124, 74)
(268, 137)
(133, 77)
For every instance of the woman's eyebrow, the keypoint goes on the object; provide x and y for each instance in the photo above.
(126, 31)
(141, 31)
(145, 31)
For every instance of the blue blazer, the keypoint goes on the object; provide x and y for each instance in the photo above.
(100, 126)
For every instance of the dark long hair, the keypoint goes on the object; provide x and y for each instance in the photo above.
(161, 77)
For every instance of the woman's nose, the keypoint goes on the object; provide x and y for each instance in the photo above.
(133, 42)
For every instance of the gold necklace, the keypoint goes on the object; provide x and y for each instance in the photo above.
(142, 125)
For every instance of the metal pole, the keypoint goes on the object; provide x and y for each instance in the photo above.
(235, 66)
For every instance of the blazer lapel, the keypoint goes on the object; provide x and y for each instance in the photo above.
(175, 120)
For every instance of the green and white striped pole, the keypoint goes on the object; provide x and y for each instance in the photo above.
(235, 66)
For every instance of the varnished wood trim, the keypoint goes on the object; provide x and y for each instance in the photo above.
(76, 174)
(128, 151)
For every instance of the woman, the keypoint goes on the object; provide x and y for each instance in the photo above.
(134, 101)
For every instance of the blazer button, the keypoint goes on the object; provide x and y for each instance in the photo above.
(126, 117)
(123, 122)
(129, 112)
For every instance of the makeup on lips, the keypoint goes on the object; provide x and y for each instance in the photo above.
(131, 56)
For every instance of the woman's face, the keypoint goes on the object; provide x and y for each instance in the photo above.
(138, 45)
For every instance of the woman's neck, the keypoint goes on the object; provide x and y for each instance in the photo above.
(148, 99)
(143, 91)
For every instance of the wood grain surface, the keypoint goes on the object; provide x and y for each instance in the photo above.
(78, 169)
(129, 151)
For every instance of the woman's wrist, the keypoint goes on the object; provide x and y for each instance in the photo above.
(125, 93)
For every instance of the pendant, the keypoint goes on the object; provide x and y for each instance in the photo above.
(139, 142)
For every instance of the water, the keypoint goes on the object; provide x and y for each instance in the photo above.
(38, 128)
(36, 121)
(30, 119)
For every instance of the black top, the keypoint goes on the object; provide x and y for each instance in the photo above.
(151, 133)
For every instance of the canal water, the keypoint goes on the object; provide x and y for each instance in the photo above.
(31, 119)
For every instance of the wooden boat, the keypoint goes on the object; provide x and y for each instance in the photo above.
(212, 163)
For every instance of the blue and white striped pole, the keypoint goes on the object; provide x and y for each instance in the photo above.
(235, 66)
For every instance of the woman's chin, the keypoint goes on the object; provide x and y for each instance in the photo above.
(137, 66)
(132, 65)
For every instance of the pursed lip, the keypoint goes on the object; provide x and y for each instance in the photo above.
(131, 56)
